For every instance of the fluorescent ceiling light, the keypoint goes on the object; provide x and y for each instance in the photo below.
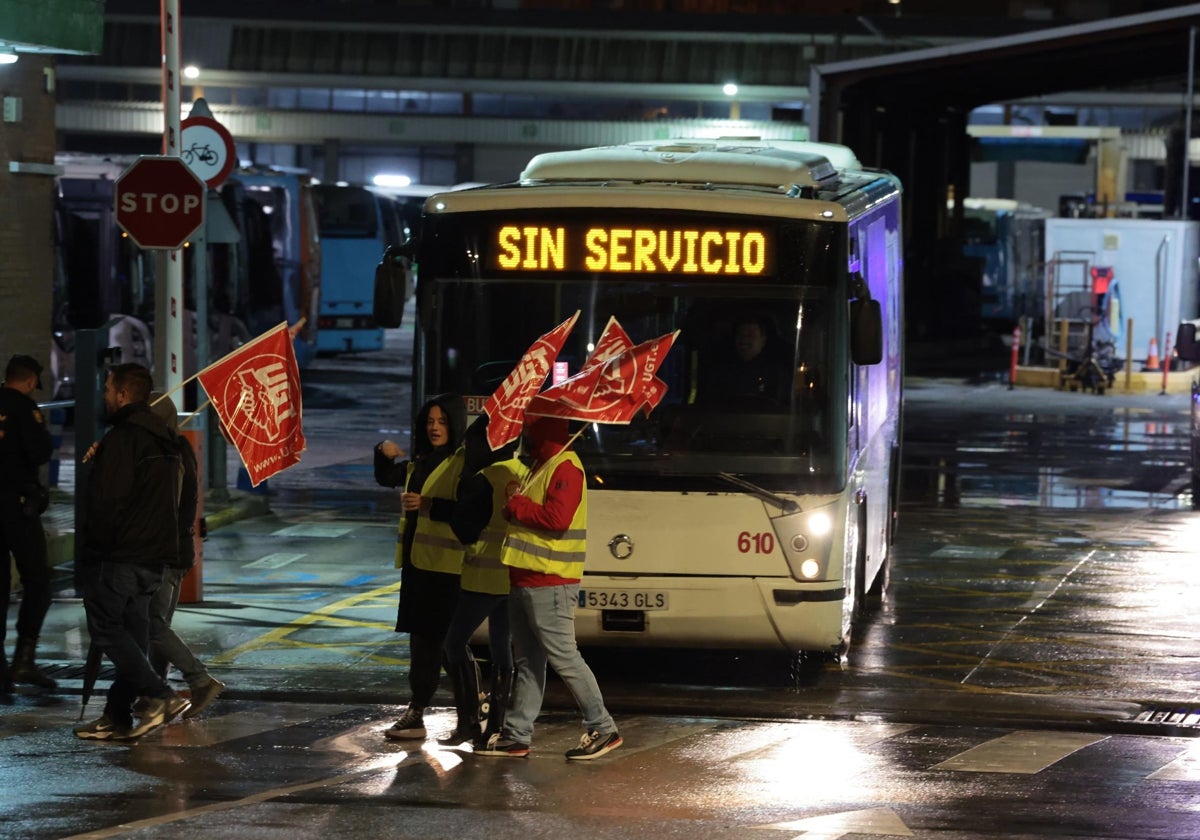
(385, 179)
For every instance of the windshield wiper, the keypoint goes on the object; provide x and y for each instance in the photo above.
(786, 505)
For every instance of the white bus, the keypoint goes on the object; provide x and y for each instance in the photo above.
(754, 508)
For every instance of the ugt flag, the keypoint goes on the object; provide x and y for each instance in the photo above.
(613, 342)
(255, 391)
(612, 391)
(506, 407)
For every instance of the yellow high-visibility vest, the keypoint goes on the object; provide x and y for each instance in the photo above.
(435, 548)
(555, 553)
(482, 569)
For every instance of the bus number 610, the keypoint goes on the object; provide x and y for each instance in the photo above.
(761, 543)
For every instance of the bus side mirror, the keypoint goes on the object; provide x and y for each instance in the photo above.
(392, 288)
(866, 324)
(1185, 342)
(866, 332)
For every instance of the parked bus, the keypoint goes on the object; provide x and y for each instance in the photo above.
(357, 225)
(101, 275)
(746, 515)
(1009, 237)
(293, 291)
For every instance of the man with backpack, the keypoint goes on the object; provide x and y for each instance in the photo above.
(130, 530)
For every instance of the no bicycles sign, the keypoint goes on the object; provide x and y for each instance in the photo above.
(207, 148)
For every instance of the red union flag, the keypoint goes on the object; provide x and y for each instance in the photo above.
(255, 391)
(506, 407)
(613, 342)
(612, 391)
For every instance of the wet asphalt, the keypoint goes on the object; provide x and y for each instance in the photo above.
(1033, 670)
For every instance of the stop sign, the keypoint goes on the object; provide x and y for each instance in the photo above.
(160, 201)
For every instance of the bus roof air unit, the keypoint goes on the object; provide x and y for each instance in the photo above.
(784, 165)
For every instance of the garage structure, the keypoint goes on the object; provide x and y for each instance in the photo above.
(908, 113)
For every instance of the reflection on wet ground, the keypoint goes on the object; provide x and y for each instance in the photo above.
(1042, 448)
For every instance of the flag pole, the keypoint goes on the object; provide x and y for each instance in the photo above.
(251, 343)
(566, 446)
(196, 413)
(267, 334)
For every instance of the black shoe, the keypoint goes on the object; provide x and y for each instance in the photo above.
(500, 744)
(24, 667)
(593, 745)
(459, 737)
(410, 727)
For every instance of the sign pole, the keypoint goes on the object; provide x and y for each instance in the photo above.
(169, 292)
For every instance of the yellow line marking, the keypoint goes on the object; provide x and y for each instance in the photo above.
(280, 633)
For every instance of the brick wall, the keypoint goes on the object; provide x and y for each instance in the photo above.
(26, 212)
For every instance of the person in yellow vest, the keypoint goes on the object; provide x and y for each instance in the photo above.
(427, 552)
(544, 549)
(489, 478)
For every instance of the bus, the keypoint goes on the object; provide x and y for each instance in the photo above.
(357, 225)
(1009, 238)
(736, 516)
(284, 201)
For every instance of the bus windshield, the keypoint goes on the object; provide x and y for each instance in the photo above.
(346, 212)
(756, 379)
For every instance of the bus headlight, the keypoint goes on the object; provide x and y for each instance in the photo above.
(819, 524)
(806, 538)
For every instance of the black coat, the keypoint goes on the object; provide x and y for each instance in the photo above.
(132, 513)
(189, 495)
(24, 443)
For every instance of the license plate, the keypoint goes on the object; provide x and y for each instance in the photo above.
(622, 599)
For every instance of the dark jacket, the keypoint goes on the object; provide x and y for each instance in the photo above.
(132, 513)
(189, 495)
(189, 491)
(24, 443)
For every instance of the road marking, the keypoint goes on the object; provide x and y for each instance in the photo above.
(274, 561)
(313, 529)
(1036, 602)
(325, 613)
(1019, 752)
(1185, 768)
(210, 730)
(877, 821)
(971, 552)
(254, 799)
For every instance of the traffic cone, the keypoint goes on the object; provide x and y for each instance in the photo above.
(1152, 356)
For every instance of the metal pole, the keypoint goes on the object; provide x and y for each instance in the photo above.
(1187, 124)
(169, 307)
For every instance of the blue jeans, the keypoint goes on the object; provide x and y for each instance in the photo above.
(470, 611)
(542, 620)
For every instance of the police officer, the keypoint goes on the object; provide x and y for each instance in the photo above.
(24, 446)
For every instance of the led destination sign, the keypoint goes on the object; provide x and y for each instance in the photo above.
(630, 250)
